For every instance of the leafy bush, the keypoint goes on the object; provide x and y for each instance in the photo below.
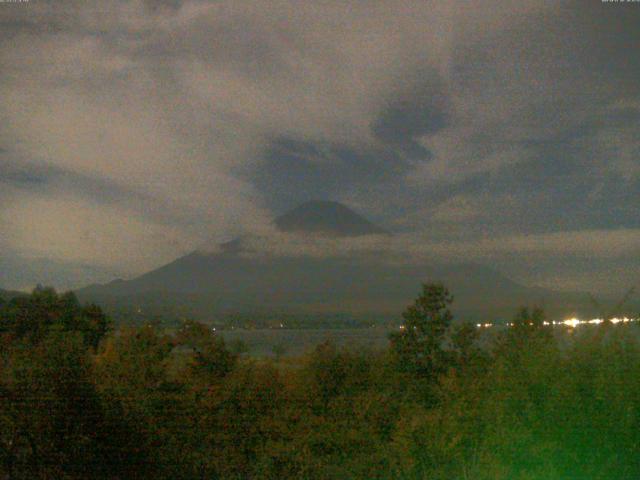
(78, 401)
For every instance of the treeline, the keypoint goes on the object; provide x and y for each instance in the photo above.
(79, 400)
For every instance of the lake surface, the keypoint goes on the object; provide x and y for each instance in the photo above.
(293, 342)
(298, 341)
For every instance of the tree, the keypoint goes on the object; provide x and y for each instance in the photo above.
(141, 399)
(528, 327)
(527, 319)
(51, 411)
(211, 357)
(418, 346)
(31, 318)
(463, 341)
(238, 347)
(278, 350)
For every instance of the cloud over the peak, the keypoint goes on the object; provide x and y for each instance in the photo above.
(133, 131)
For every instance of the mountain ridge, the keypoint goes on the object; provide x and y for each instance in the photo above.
(327, 218)
(228, 280)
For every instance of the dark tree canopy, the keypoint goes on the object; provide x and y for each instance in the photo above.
(31, 318)
(418, 347)
(155, 402)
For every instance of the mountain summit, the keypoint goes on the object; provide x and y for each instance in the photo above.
(207, 285)
(326, 218)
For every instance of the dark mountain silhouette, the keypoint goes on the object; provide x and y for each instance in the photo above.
(207, 285)
(328, 218)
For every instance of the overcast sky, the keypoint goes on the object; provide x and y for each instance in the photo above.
(132, 132)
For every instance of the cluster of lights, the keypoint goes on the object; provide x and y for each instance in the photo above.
(571, 322)
(574, 322)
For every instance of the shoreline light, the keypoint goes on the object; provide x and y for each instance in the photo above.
(570, 322)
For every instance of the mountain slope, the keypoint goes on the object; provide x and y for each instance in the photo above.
(328, 218)
(206, 285)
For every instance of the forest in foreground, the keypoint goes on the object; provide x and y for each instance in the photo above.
(80, 398)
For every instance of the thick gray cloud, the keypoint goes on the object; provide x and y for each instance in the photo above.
(136, 130)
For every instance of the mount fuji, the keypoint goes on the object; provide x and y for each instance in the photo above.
(233, 279)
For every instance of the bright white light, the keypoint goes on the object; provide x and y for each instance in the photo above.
(572, 322)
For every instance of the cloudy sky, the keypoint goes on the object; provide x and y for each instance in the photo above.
(132, 132)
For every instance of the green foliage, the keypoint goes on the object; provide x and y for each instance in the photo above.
(210, 354)
(52, 415)
(532, 403)
(527, 335)
(238, 347)
(419, 346)
(30, 318)
(279, 350)
(464, 339)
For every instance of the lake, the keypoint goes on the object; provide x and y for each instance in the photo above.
(298, 341)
